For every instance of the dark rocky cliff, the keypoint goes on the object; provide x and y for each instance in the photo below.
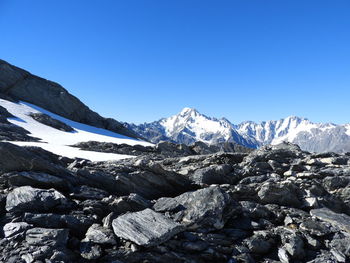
(19, 84)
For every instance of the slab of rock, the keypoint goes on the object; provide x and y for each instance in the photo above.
(100, 235)
(40, 180)
(208, 207)
(146, 228)
(47, 236)
(77, 224)
(341, 221)
(27, 199)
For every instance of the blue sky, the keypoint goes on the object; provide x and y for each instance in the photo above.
(139, 61)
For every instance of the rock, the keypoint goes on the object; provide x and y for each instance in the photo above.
(208, 207)
(99, 235)
(84, 192)
(16, 158)
(40, 180)
(130, 203)
(90, 250)
(108, 147)
(196, 246)
(145, 228)
(284, 194)
(27, 198)
(49, 121)
(341, 221)
(294, 246)
(317, 229)
(78, 224)
(46, 236)
(152, 182)
(11, 229)
(258, 245)
(215, 174)
(283, 255)
(340, 246)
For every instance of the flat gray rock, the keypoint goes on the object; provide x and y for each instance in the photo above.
(27, 199)
(145, 228)
(341, 221)
(208, 207)
(47, 237)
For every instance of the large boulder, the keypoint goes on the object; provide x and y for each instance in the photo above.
(28, 199)
(145, 228)
(208, 207)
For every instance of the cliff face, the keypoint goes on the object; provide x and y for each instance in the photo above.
(19, 84)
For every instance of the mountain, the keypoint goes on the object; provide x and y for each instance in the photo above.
(190, 126)
(19, 84)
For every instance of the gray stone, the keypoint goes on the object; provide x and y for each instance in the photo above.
(90, 250)
(46, 236)
(40, 180)
(341, 221)
(282, 194)
(130, 203)
(258, 245)
(196, 246)
(100, 235)
(11, 229)
(27, 198)
(49, 121)
(208, 207)
(145, 228)
(215, 174)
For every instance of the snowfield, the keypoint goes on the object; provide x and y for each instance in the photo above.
(59, 142)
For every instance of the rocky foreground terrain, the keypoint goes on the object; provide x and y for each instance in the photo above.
(275, 204)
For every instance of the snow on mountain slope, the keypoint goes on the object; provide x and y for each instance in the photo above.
(58, 141)
(189, 126)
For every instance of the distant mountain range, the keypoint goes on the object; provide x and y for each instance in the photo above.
(190, 126)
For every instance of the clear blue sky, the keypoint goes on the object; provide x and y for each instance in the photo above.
(140, 60)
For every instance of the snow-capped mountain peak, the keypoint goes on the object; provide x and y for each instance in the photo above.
(190, 125)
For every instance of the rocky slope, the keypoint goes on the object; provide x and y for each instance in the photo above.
(19, 84)
(275, 204)
(190, 126)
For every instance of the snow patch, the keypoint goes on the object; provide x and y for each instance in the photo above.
(57, 141)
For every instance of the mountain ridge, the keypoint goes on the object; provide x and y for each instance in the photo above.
(189, 125)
